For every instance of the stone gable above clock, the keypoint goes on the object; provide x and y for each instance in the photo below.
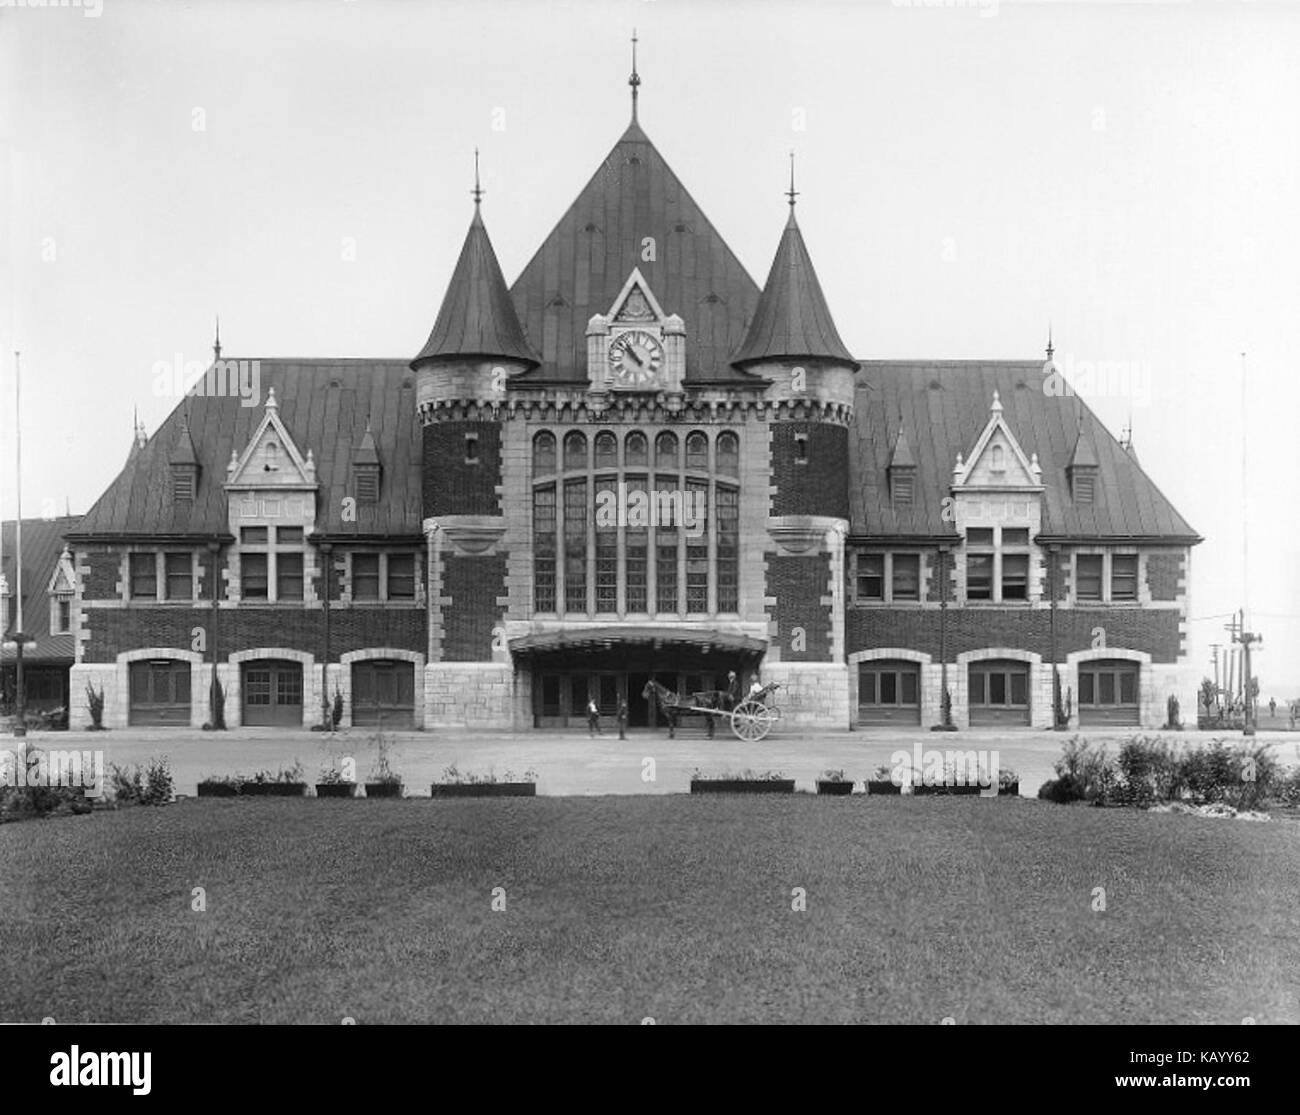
(635, 346)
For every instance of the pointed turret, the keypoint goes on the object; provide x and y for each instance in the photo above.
(477, 318)
(792, 321)
(138, 438)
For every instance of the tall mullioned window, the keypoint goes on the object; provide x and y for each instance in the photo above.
(637, 523)
(576, 521)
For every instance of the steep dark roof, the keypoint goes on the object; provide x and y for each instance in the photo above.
(944, 407)
(792, 319)
(325, 405)
(42, 544)
(582, 265)
(477, 317)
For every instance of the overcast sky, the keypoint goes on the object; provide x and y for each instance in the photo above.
(1128, 171)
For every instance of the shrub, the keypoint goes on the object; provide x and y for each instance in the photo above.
(152, 786)
(382, 771)
(1149, 771)
(1088, 773)
(95, 705)
(218, 706)
(336, 712)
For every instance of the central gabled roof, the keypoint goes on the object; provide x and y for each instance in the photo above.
(582, 265)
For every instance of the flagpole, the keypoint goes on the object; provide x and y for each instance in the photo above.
(20, 702)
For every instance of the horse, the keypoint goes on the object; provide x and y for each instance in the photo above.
(673, 707)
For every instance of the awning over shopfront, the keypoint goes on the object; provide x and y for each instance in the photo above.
(655, 639)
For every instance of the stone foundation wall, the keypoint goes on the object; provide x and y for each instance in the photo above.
(811, 694)
(469, 695)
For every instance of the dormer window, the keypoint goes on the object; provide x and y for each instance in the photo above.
(1084, 484)
(63, 619)
(366, 480)
(184, 483)
(997, 462)
(902, 486)
(272, 458)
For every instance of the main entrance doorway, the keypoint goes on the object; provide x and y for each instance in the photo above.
(609, 665)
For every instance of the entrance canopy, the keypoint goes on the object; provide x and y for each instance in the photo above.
(668, 641)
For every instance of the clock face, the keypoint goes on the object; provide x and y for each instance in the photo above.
(635, 358)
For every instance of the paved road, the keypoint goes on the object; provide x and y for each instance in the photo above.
(569, 762)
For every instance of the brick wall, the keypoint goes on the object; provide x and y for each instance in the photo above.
(102, 570)
(1164, 571)
(1150, 630)
(798, 585)
(471, 586)
(819, 486)
(450, 485)
(114, 630)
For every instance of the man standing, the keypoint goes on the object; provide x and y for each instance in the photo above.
(593, 718)
(622, 718)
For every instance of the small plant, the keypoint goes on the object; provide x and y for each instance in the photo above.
(95, 705)
(381, 772)
(698, 775)
(1172, 720)
(336, 712)
(330, 775)
(1007, 778)
(833, 776)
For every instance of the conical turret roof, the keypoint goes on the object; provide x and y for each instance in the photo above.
(477, 317)
(792, 318)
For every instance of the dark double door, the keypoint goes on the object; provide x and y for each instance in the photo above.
(272, 694)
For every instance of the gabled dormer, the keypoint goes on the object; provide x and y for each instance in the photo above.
(997, 495)
(366, 468)
(997, 461)
(271, 481)
(184, 463)
(902, 471)
(1082, 469)
(61, 589)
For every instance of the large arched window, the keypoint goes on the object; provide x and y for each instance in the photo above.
(606, 450)
(575, 451)
(673, 548)
(544, 454)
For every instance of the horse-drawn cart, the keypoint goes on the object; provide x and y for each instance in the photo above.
(751, 718)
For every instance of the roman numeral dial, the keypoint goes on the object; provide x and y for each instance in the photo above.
(635, 358)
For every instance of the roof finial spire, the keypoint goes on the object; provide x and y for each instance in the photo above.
(791, 193)
(1050, 349)
(635, 79)
(477, 192)
(216, 344)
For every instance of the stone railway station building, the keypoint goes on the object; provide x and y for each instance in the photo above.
(425, 538)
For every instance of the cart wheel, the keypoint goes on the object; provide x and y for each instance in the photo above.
(750, 721)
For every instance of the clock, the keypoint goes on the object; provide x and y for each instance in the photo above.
(635, 357)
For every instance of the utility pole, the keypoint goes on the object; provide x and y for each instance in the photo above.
(1214, 651)
(1247, 639)
(20, 696)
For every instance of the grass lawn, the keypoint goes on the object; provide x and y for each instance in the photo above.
(677, 908)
